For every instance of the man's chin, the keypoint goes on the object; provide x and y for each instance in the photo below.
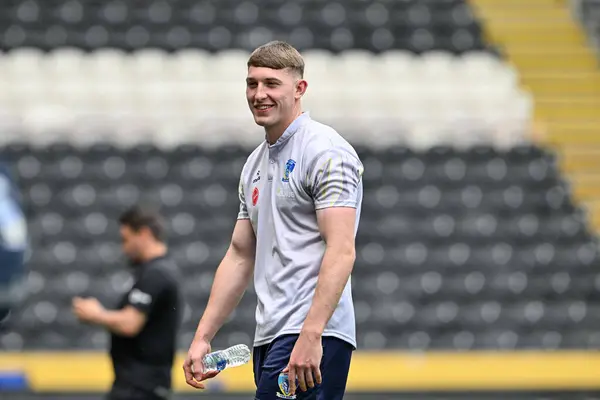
(261, 121)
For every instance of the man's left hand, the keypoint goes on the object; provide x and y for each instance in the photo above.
(305, 362)
(87, 310)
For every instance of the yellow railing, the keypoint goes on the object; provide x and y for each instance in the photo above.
(370, 371)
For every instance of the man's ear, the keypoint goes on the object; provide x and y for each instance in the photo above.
(301, 87)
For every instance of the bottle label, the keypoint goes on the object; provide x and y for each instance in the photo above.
(221, 364)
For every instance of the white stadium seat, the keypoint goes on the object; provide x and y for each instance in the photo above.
(194, 90)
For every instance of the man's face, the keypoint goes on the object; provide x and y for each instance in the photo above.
(271, 94)
(132, 243)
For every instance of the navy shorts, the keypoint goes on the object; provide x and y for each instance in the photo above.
(269, 360)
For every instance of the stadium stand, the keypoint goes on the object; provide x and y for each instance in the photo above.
(544, 42)
(467, 249)
(471, 237)
(212, 25)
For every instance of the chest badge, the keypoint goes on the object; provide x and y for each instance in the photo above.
(255, 196)
(289, 167)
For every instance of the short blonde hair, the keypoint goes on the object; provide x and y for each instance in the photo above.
(277, 55)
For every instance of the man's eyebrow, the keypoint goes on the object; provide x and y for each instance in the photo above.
(268, 80)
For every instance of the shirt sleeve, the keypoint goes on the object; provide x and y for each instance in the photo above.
(243, 210)
(334, 179)
(146, 291)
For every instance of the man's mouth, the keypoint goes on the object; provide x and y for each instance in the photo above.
(264, 107)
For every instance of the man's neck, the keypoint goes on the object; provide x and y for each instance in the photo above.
(155, 251)
(275, 132)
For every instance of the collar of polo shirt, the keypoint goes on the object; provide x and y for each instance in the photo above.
(289, 132)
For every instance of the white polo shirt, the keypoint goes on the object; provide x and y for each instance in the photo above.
(310, 167)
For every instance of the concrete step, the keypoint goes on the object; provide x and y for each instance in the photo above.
(580, 159)
(568, 107)
(526, 14)
(561, 133)
(551, 34)
(534, 4)
(586, 186)
(564, 88)
(564, 75)
(566, 111)
(549, 61)
(593, 209)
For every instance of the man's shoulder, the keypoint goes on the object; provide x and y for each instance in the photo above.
(164, 268)
(252, 159)
(319, 138)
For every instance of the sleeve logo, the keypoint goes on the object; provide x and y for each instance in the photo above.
(136, 296)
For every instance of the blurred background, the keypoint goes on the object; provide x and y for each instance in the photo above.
(478, 124)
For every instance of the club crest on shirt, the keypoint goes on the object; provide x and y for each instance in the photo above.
(284, 387)
(289, 167)
(255, 196)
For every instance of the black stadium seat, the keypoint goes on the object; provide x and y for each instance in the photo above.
(418, 26)
(484, 258)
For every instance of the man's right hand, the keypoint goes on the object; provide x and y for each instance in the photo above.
(192, 366)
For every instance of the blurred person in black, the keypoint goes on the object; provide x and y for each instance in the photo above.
(145, 325)
(13, 243)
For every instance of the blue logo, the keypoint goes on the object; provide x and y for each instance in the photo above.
(284, 387)
(289, 167)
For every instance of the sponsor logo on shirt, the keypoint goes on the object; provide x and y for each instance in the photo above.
(255, 196)
(257, 177)
(136, 296)
(286, 194)
(284, 387)
(289, 167)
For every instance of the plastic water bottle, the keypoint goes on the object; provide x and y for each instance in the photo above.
(232, 357)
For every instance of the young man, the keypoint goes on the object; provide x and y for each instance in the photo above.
(145, 325)
(300, 199)
(13, 243)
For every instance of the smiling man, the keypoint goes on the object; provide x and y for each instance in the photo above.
(300, 198)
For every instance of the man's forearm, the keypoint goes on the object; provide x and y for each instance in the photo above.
(116, 322)
(230, 283)
(336, 268)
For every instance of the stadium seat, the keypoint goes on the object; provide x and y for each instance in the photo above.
(464, 248)
(148, 93)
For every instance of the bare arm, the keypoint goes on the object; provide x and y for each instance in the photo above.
(126, 322)
(231, 280)
(337, 229)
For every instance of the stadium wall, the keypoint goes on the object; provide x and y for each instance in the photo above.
(370, 372)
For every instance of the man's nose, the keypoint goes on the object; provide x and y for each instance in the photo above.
(260, 92)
